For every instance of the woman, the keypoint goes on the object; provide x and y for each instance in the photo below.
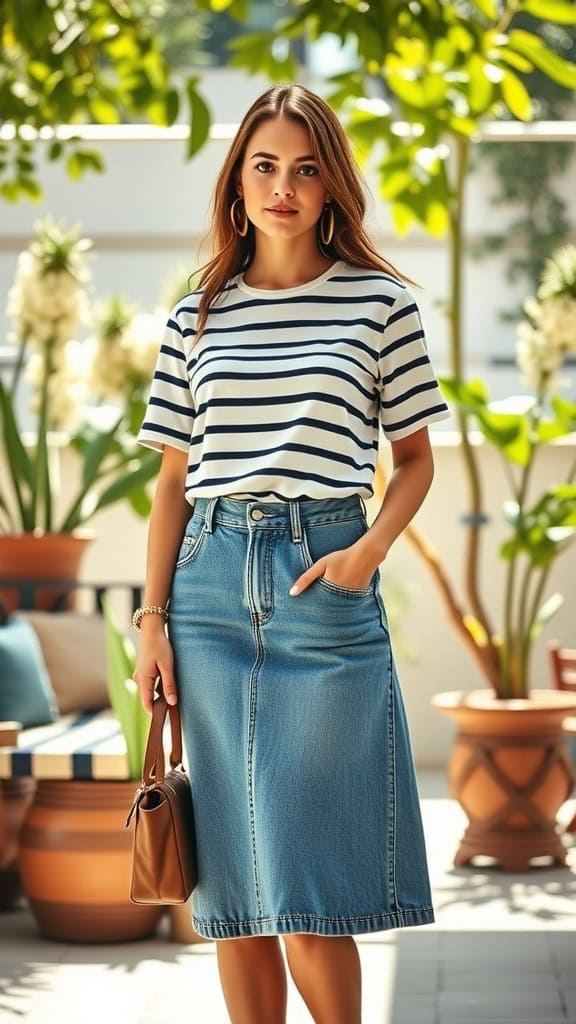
(266, 402)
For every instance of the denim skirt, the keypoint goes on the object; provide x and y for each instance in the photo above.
(306, 809)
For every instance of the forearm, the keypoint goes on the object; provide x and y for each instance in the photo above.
(170, 513)
(407, 488)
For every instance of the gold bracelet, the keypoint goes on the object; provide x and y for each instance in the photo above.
(150, 609)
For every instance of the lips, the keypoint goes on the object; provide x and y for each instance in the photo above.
(282, 209)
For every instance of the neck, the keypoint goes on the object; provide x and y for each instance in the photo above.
(285, 263)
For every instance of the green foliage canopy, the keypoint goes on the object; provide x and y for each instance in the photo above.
(423, 73)
(75, 61)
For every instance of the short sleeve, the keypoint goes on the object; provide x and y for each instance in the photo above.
(409, 394)
(170, 410)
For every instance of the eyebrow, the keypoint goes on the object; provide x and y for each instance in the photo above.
(272, 156)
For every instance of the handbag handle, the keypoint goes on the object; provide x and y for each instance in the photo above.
(153, 770)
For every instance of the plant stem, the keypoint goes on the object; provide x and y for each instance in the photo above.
(512, 639)
(18, 368)
(534, 612)
(472, 548)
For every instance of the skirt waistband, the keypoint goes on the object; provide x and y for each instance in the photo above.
(277, 515)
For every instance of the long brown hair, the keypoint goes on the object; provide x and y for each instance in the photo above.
(338, 172)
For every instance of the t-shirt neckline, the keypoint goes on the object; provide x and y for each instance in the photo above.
(269, 293)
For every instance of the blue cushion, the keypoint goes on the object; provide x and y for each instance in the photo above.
(26, 693)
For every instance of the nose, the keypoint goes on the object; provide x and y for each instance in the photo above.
(283, 187)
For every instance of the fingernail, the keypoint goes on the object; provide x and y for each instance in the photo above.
(171, 698)
(294, 590)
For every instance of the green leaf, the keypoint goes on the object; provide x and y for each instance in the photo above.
(471, 396)
(124, 694)
(546, 612)
(103, 111)
(124, 487)
(565, 412)
(516, 97)
(481, 89)
(20, 464)
(488, 8)
(530, 46)
(200, 118)
(551, 10)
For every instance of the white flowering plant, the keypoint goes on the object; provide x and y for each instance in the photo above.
(69, 381)
(542, 526)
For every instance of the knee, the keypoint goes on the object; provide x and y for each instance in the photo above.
(305, 942)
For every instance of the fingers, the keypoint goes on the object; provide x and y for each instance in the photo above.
(169, 685)
(146, 683)
(308, 577)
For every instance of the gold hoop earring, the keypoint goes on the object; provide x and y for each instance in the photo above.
(327, 233)
(242, 229)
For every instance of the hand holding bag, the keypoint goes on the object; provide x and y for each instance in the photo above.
(163, 852)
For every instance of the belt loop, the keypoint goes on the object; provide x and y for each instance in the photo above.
(210, 514)
(295, 522)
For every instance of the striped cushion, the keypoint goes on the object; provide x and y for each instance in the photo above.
(84, 746)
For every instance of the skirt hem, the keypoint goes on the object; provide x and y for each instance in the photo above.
(313, 924)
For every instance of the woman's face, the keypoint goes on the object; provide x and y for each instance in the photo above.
(280, 181)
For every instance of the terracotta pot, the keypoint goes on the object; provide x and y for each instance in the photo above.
(53, 557)
(75, 863)
(15, 799)
(510, 771)
(181, 929)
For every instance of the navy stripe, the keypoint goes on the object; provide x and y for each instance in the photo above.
(170, 379)
(307, 449)
(400, 342)
(410, 310)
(271, 346)
(418, 389)
(174, 352)
(21, 763)
(405, 368)
(158, 428)
(400, 424)
(313, 299)
(287, 374)
(81, 766)
(317, 396)
(266, 358)
(378, 276)
(163, 403)
(291, 474)
(276, 325)
(304, 421)
(174, 325)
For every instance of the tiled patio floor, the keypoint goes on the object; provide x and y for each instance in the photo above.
(503, 951)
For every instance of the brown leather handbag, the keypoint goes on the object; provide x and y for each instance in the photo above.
(163, 851)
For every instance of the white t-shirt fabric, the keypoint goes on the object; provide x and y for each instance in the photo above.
(283, 395)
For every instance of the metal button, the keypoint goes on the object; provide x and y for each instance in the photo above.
(257, 514)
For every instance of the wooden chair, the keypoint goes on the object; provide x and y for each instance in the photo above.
(563, 664)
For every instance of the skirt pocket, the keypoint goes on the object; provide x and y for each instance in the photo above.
(191, 543)
(320, 540)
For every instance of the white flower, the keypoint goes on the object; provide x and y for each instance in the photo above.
(67, 384)
(123, 361)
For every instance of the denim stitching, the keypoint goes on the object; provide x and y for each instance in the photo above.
(196, 544)
(252, 708)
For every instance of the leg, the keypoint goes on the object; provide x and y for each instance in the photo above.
(326, 971)
(253, 979)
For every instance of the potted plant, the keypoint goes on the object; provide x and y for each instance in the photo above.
(48, 304)
(415, 89)
(510, 769)
(75, 854)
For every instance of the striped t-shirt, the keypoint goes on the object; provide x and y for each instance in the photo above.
(283, 395)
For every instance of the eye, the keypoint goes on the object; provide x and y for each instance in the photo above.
(264, 166)
(308, 170)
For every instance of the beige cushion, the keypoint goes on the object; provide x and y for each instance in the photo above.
(74, 649)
